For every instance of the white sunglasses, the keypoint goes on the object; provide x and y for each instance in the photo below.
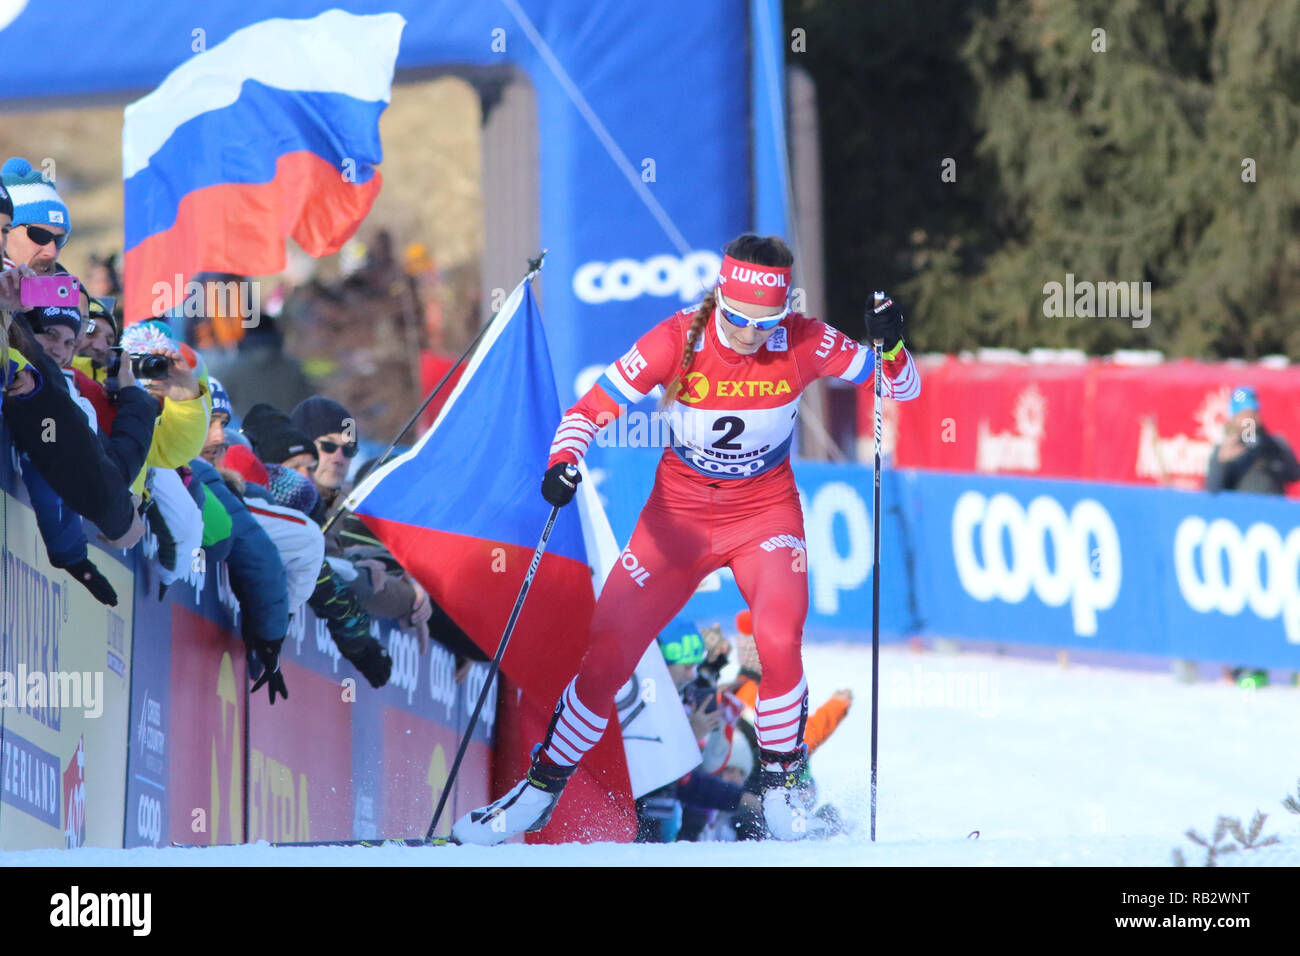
(742, 321)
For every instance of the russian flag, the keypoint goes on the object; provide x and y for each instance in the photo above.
(272, 133)
(463, 512)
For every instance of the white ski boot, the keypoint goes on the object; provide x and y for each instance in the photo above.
(789, 796)
(525, 808)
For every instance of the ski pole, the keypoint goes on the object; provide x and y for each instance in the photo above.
(877, 300)
(571, 473)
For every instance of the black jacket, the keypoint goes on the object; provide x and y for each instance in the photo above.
(1266, 467)
(51, 429)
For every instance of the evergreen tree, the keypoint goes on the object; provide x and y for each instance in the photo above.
(1124, 156)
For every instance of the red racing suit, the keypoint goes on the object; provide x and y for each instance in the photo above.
(724, 494)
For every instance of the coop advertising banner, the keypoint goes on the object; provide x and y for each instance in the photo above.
(1018, 560)
(1089, 565)
(338, 760)
(65, 673)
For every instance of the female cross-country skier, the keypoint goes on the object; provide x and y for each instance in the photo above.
(733, 369)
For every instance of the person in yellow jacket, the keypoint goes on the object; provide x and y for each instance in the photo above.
(184, 395)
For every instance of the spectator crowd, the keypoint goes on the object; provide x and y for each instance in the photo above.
(125, 426)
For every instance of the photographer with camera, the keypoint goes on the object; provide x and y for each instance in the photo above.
(179, 385)
(124, 437)
(695, 660)
(1250, 458)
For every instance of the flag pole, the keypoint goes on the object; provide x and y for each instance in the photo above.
(534, 267)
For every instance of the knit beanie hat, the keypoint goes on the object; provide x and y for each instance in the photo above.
(101, 310)
(291, 489)
(221, 400)
(319, 415)
(144, 337)
(34, 198)
(241, 459)
(681, 642)
(44, 317)
(1242, 399)
(274, 438)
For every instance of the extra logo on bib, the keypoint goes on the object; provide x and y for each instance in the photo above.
(696, 388)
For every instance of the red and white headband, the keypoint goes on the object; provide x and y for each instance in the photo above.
(753, 284)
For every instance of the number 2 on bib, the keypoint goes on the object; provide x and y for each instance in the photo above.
(734, 427)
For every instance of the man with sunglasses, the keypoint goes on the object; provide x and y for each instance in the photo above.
(94, 349)
(333, 430)
(41, 224)
(385, 589)
(36, 396)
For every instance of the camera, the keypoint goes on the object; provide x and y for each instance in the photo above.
(146, 365)
(705, 685)
(711, 669)
(699, 691)
(150, 365)
(55, 290)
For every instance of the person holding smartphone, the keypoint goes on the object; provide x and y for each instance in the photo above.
(41, 225)
(1250, 458)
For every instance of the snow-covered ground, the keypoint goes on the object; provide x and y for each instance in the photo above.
(1070, 766)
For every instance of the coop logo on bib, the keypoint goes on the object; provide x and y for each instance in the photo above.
(729, 469)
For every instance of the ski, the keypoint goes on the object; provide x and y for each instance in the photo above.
(412, 841)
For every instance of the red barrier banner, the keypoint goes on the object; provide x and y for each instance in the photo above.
(427, 750)
(206, 783)
(991, 418)
(1161, 423)
(300, 783)
(1103, 421)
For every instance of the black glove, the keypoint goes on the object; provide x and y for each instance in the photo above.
(89, 577)
(152, 515)
(885, 322)
(373, 661)
(268, 655)
(560, 483)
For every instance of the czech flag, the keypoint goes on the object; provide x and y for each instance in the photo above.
(463, 512)
(272, 133)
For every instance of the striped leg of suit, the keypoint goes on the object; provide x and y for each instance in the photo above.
(574, 729)
(780, 720)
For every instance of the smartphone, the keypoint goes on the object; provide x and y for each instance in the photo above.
(35, 291)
